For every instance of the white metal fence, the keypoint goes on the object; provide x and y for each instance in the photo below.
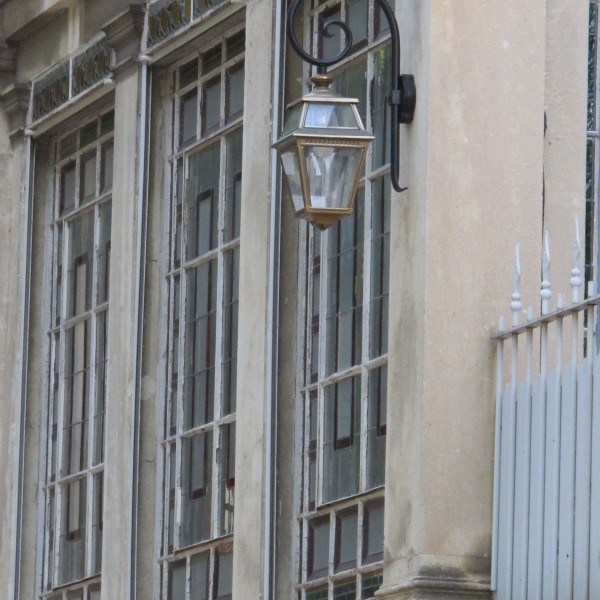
(546, 536)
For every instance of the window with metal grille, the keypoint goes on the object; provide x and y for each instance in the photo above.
(199, 428)
(76, 395)
(343, 386)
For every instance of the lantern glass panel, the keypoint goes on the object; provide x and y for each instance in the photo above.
(291, 168)
(292, 120)
(332, 173)
(331, 115)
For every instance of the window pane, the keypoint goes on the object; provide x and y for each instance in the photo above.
(106, 174)
(177, 580)
(188, 73)
(105, 216)
(318, 548)
(94, 592)
(80, 266)
(373, 533)
(379, 110)
(345, 591)
(107, 122)
(72, 538)
(211, 105)
(200, 334)
(235, 92)
(199, 565)
(358, 19)
(224, 565)
(197, 461)
(187, 118)
(346, 539)
(67, 187)
(87, 177)
(97, 523)
(76, 398)
(341, 446)
(88, 134)
(203, 201)
(370, 584)
(211, 59)
(312, 449)
(317, 594)
(236, 44)
(376, 432)
(100, 400)
(227, 478)
(230, 330)
(233, 186)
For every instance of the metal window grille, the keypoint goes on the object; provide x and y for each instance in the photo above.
(199, 427)
(343, 387)
(76, 394)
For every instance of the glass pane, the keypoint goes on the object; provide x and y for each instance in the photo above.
(94, 592)
(345, 591)
(88, 134)
(170, 497)
(105, 217)
(330, 115)
(97, 523)
(177, 580)
(370, 584)
(76, 398)
(592, 66)
(235, 92)
(58, 274)
(292, 119)
(101, 362)
(233, 186)
(317, 594)
(203, 201)
(200, 337)
(211, 59)
(196, 490)
(188, 73)
(187, 118)
(377, 427)
(67, 187)
(199, 565)
(318, 548)
(315, 307)
(332, 174)
(341, 440)
(106, 174)
(75, 594)
(87, 177)
(236, 44)
(227, 478)
(174, 381)
(291, 170)
(80, 265)
(346, 540)
(353, 84)
(330, 45)
(53, 425)
(72, 536)
(230, 329)
(107, 122)
(358, 19)
(225, 572)
(373, 533)
(68, 145)
(380, 267)
(312, 449)
(50, 552)
(211, 105)
(379, 109)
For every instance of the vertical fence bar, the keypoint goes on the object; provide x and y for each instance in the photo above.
(551, 484)
(497, 454)
(538, 439)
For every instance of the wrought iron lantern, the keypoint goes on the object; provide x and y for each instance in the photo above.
(322, 152)
(323, 144)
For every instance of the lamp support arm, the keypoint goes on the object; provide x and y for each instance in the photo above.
(403, 95)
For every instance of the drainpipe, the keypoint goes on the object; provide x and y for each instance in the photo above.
(143, 145)
(273, 316)
(25, 268)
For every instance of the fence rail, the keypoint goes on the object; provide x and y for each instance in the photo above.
(546, 536)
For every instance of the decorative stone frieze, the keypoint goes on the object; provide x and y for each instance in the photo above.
(166, 17)
(70, 78)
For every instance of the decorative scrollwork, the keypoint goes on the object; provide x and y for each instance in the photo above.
(50, 92)
(326, 30)
(90, 66)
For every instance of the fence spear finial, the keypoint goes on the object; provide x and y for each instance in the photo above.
(546, 292)
(575, 280)
(516, 304)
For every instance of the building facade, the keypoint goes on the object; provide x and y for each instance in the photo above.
(204, 398)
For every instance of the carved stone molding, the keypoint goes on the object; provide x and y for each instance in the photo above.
(124, 34)
(8, 63)
(424, 588)
(15, 100)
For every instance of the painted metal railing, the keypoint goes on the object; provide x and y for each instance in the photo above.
(546, 534)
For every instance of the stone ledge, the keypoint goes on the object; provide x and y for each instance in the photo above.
(423, 588)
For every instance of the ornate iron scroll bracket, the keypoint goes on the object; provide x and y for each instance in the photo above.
(403, 95)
